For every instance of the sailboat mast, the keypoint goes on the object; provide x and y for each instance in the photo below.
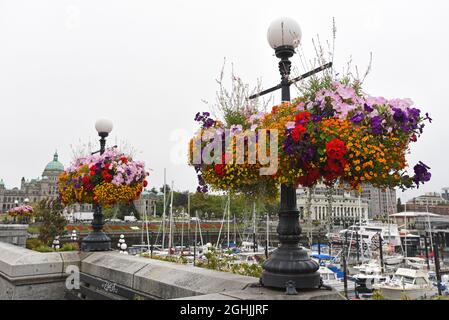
(148, 233)
(188, 225)
(235, 231)
(229, 214)
(165, 208)
(170, 239)
(360, 228)
(428, 222)
(268, 229)
(254, 226)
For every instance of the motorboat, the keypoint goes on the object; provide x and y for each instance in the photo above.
(419, 263)
(369, 274)
(407, 284)
(330, 279)
(394, 259)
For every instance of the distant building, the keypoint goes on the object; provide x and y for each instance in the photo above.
(430, 202)
(381, 202)
(421, 221)
(407, 220)
(345, 205)
(429, 199)
(146, 204)
(33, 190)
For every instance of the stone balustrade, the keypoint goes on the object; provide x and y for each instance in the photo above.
(14, 234)
(25, 274)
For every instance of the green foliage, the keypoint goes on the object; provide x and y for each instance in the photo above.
(53, 223)
(218, 262)
(32, 244)
(109, 212)
(44, 249)
(34, 229)
(69, 247)
(39, 246)
(377, 295)
(126, 209)
(174, 259)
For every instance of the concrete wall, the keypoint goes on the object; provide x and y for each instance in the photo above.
(165, 280)
(14, 234)
(30, 275)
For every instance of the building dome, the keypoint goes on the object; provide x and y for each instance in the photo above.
(55, 165)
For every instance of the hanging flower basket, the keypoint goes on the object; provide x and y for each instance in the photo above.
(342, 135)
(105, 179)
(219, 172)
(21, 212)
(334, 134)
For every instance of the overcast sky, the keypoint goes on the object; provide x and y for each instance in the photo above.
(147, 65)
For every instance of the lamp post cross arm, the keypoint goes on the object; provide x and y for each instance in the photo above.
(99, 151)
(292, 81)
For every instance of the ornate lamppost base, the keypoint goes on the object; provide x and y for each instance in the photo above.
(291, 265)
(96, 241)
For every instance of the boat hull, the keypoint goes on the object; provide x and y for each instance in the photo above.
(410, 294)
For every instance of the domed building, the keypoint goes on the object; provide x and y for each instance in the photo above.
(33, 190)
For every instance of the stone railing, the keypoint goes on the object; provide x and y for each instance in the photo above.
(25, 274)
(14, 234)
(30, 275)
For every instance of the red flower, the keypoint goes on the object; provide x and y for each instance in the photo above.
(334, 168)
(124, 160)
(86, 180)
(310, 179)
(413, 138)
(145, 183)
(298, 132)
(274, 110)
(107, 166)
(219, 170)
(336, 149)
(107, 177)
(303, 117)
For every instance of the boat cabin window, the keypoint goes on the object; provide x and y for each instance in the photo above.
(408, 280)
(332, 277)
(373, 230)
(420, 282)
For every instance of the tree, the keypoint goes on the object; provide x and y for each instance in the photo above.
(53, 222)
(126, 209)
(109, 212)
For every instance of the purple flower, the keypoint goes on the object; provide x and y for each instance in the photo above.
(414, 113)
(376, 125)
(399, 115)
(359, 117)
(368, 108)
(422, 174)
(316, 118)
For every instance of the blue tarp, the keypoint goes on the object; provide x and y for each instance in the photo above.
(337, 271)
(322, 256)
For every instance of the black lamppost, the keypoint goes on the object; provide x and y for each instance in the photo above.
(289, 265)
(97, 240)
